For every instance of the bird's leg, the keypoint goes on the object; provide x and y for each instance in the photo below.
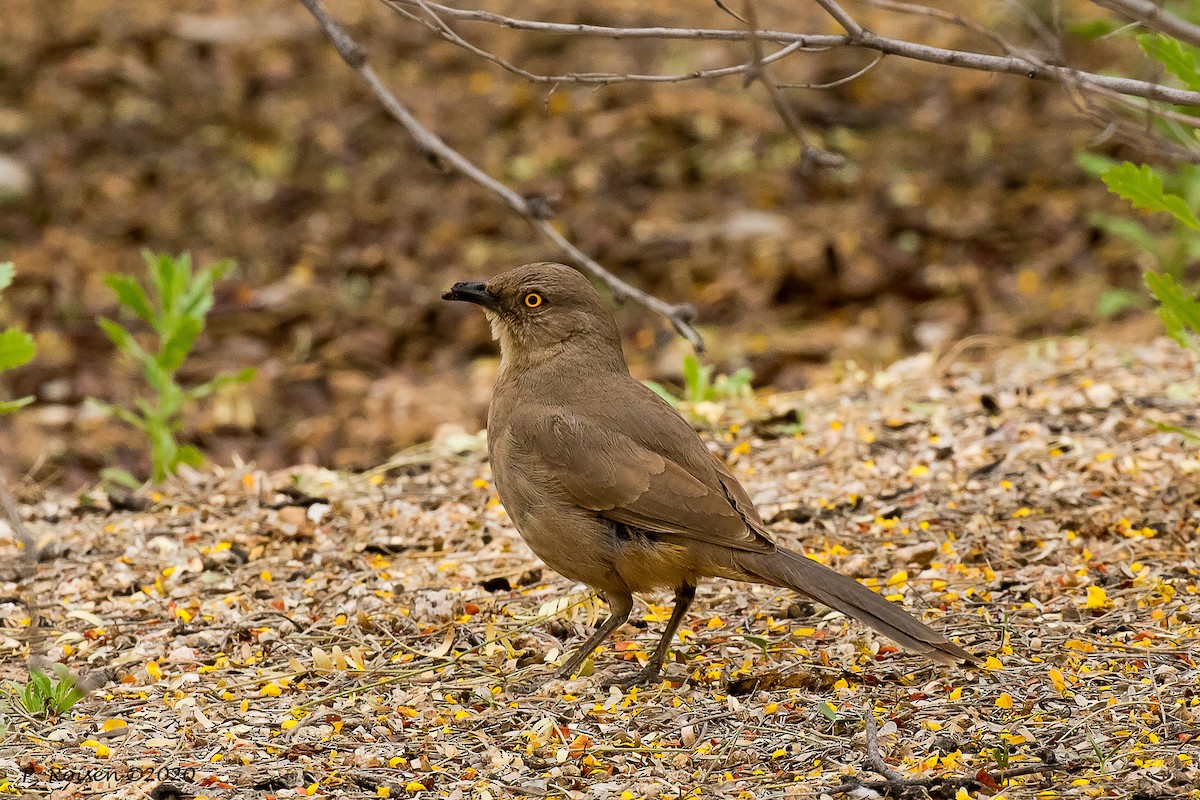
(684, 596)
(619, 606)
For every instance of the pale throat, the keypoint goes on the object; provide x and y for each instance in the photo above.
(502, 334)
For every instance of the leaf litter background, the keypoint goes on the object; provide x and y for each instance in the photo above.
(310, 633)
(291, 631)
(233, 130)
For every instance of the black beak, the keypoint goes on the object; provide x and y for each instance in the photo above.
(472, 292)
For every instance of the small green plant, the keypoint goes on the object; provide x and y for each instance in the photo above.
(43, 696)
(1178, 309)
(176, 314)
(1174, 191)
(1148, 188)
(1002, 755)
(16, 346)
(699, 384)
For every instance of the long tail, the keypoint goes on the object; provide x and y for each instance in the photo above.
(786, 568)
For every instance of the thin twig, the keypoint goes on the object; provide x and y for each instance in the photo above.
(895, 783)
(845, 20)
(435, 23)
(756, 70)
(840, 81)
(959, 21)
(1155, 17)
(963, 59)
(680, 315)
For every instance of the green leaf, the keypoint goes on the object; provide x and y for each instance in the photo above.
(662, 392)
(697, 379)
(244, 375)
(170, 276)
(1178, 310)
(163, 453)
(199, 298)
(41, 682)
(1143, 187)
(1176, 57)
(827, 710)
(1114, 301)
(177, 347)
(762, 643)
(1094, 164)
(131, 295)
(33, 699)
(9, 406)
(7, 270)
(16, 348)
(120, 477)
(66, 692)
(186, 454)
(1092, 30)
(122, 414)
(159, 379)
(1127, 229)
(122, 338)
(1187, 433)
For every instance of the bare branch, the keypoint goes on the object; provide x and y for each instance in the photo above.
(963, 59)
(1014, 65)
(916, 9)
(845, 20)
(756, 70)
(853, 76)
(435, 23)
(1155, 17)
(680, 316)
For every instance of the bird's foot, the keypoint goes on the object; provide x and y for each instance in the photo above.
(533, 686)
(649, 675)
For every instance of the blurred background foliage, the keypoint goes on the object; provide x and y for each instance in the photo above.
(232, 130)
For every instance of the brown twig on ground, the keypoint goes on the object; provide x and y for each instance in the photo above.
(874, 757)
(680, 316)
(895, 784)
(1022, 64)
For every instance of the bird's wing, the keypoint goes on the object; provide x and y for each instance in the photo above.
(609, 472)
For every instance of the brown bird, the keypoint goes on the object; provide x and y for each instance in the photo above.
(611, 487)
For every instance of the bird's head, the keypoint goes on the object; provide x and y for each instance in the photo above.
(540, 310)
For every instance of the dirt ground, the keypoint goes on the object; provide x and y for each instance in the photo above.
(310, 633)
(145, 124)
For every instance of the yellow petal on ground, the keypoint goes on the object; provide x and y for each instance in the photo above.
(1097, 598)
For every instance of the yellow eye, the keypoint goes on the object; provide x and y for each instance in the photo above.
(533, 299)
